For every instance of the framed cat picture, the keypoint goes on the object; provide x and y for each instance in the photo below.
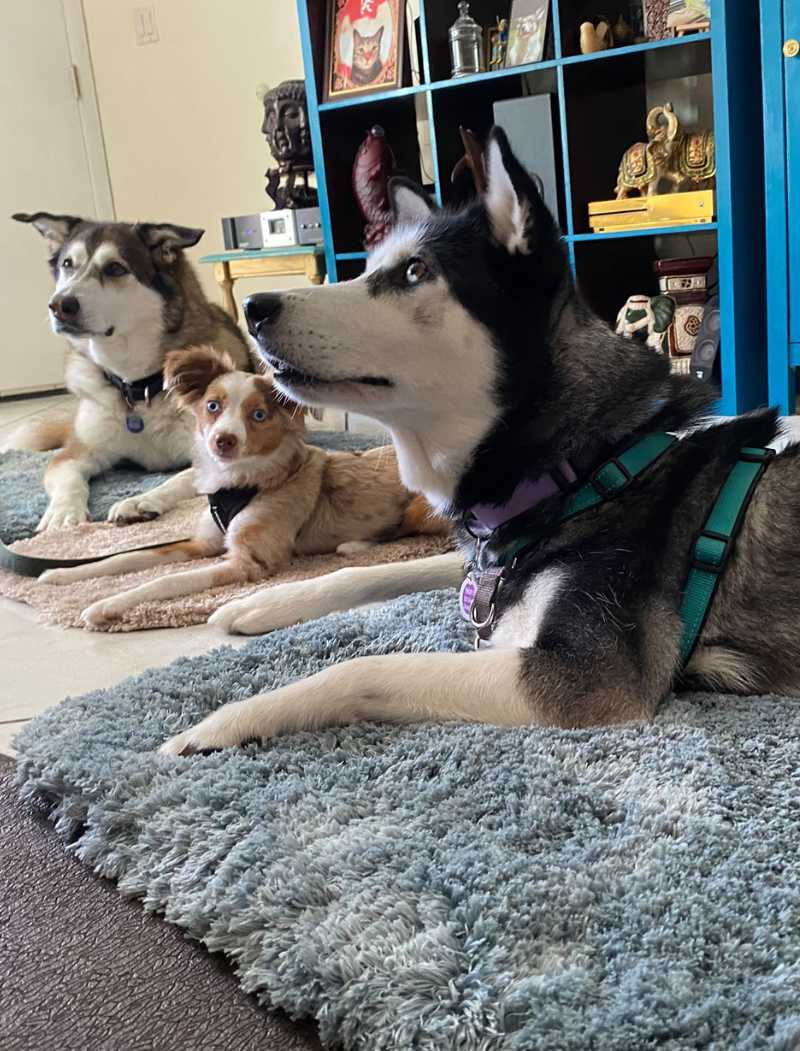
(527, 29)
(364, 47)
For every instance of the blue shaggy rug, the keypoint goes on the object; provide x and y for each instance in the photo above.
(23, 500)
(451, 886)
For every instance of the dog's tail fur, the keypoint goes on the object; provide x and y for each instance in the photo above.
(40, 434)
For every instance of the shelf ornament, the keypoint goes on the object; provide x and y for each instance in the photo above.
(685, 160)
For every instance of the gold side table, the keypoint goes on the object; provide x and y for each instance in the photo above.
(298, 261)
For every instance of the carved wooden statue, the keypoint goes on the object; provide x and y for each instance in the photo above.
(684, 161)
(286, 130)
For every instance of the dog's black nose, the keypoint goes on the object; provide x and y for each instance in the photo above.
(65, 307)
(261, 307)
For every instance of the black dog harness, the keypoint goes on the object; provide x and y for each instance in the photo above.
(709, 552)
(225, 505)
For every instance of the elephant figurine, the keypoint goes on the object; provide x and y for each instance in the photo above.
(686, 161)
(642, 315)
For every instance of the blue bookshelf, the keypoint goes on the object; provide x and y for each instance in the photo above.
(780, 32)
(599, 105)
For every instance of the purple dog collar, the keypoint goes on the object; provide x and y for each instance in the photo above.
(525, 497)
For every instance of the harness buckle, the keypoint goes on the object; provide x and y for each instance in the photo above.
(752, 455)
(711, 551)
(604, 481)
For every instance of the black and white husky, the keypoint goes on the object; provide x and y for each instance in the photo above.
(466, 338)
(124, 297)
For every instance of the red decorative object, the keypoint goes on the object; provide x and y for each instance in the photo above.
(373, 167)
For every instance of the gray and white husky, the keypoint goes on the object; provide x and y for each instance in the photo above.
(466, 339)
(124, 297)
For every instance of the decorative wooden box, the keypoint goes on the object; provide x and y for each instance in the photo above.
(661, 209)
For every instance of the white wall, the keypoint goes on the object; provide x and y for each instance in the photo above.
(181, 117)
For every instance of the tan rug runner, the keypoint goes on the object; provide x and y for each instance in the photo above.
(62, 605)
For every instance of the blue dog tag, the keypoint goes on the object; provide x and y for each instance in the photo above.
(134, 423)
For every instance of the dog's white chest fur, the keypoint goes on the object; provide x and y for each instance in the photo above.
(164, 443)
(100, 422)
(521, 624)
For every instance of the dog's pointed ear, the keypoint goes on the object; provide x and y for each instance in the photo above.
(165, 240)
(55, 229)
(189, 373)
(518, 216)
(409, 202)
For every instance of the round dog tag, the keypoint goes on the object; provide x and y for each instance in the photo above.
(467, 597)
(134, 423)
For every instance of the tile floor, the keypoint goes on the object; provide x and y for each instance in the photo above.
(73, 662)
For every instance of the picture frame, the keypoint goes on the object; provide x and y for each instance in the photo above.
(363, 47)
(688, 16)
(496, 45)
(527, 32)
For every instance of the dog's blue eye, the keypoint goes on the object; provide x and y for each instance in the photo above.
(212, 406)
(416, 271)
(115, 270)
(259, 415)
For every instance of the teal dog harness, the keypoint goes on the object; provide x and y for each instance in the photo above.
(710, 551)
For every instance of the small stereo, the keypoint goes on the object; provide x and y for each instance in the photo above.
(706, 346)
(282, 228)
(242, 231)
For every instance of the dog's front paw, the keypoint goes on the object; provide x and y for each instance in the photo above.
(141, 508)
(257, 614)
(354, 547)
(226, 616)
(224, 728)
(101, 614)
(63, 516)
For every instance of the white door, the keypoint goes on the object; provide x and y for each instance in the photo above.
(52, 160)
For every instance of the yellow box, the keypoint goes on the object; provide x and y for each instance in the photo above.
(662, 209)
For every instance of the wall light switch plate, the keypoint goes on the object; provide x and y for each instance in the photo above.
(144, 22)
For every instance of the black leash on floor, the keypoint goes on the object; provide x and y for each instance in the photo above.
(34, 566)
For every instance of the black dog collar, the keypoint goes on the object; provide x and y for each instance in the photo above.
(140, 390)
(225, 505)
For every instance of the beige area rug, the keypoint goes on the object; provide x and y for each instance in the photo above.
(62, 605)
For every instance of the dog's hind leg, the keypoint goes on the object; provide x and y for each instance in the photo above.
(483, 687)
(133, 561)
(41, 434)
(285, 604)
(155, 501)
(421, 520)
(66, 482)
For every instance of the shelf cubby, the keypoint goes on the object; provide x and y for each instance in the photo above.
(607, 271)
(347, 129)
(599, 107)
(606, 109)
(472, 105)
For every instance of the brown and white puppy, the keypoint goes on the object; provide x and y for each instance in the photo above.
(124, 297)
(271, 496)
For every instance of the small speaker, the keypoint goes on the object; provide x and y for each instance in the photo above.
(229, 234)
(242, 231)
(706, 346)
